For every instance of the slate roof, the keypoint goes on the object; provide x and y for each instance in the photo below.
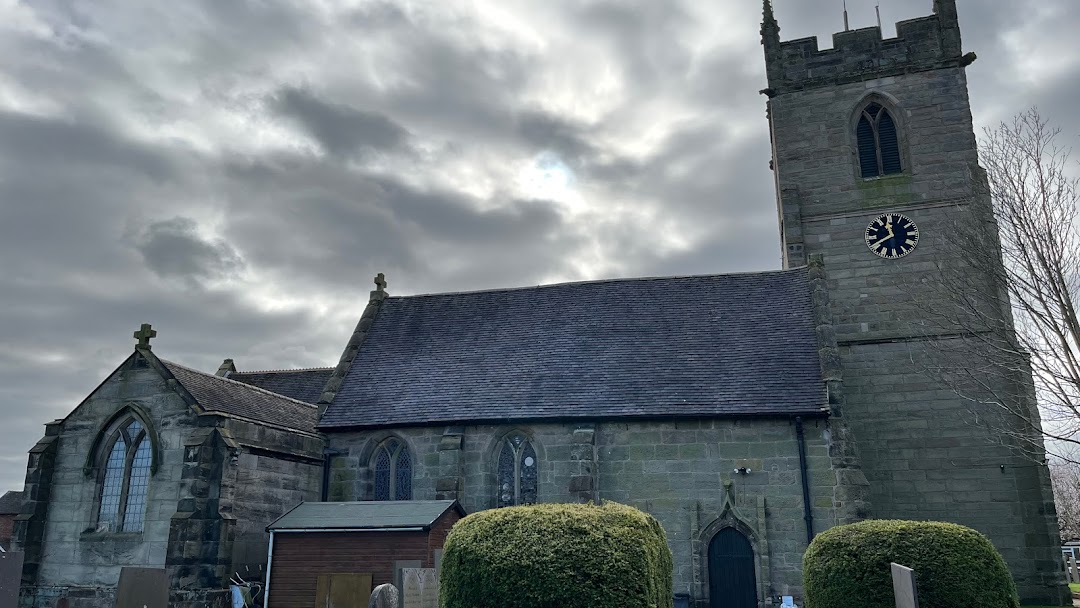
(11, 503)
(301, 384)
(217, 394)
(720, 345)
(368, 515)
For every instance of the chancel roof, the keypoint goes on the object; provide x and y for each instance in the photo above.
(301, 384)
(232, 398)
(702, 346)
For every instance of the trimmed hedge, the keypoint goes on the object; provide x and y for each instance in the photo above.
(557, 555)
(955, 566)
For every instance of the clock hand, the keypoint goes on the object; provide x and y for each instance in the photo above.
(872, 246)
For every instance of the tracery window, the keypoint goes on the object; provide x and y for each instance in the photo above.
(517, 471)
(393, 471)
(878, 141)
(126, 457)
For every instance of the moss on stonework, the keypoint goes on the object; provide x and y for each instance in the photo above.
(886, 191)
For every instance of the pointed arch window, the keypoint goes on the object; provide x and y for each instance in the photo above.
(517, 471)
(878, 141)
(125, 465)
(393, 471)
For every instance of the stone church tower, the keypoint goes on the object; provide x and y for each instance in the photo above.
(873, 139)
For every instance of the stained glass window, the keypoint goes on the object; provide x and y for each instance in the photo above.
(393, 471)
(382, 474)
(125, 478)
(403, 476)
(516, 473)
(507, 478)
(527, 467)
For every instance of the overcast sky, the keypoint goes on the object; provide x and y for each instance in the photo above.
(236, 172)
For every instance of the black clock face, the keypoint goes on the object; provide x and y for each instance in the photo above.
(892, 236)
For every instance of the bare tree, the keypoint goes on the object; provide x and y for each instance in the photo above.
(1031, 287)
(1065, 477)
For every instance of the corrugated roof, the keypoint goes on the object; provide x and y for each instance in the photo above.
(301, 384)
(721, 345)
(217, 394)
(11, 502)
(367, 515)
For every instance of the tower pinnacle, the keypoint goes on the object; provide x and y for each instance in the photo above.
(770, 39)
(770, 29)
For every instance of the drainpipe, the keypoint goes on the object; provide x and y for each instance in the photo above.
(269, 565)
(328, 455)
(808, 515)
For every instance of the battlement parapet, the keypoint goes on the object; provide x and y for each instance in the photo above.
(921, 44)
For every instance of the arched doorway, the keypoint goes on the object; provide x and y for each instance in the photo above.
(732, 581)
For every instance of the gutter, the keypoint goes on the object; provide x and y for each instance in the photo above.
(322, 530)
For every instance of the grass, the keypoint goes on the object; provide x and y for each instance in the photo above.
(1075, 587)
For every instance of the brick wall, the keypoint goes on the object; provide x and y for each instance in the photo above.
(7, 526)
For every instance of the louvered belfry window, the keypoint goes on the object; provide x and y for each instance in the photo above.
(879, 143)
(393, 471)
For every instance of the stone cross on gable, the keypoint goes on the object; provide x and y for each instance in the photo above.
(380, 282)
(144, 334)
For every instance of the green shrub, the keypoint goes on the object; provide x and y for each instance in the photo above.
(554, 555)
(955, 566)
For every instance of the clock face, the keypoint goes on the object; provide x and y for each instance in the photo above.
(892, 236)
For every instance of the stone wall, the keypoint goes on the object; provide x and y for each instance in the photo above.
(923, 455)
(681, 472)
(273, 471)
(73, 553)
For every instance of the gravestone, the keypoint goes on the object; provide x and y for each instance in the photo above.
(142, 588)
(11, 564)
(384, 596)
(420, 588)
(903, 583)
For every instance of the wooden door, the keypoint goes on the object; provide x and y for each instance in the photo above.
(732, 580)
(343, 590)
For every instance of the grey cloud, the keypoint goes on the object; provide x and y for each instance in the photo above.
(645, 34)
(315, 221)
(47, 144)
(173, 248)
(542, 130)
(340, 129)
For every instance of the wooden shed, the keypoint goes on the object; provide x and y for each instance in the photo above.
(335, 553)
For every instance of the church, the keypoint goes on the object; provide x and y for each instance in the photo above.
(746, 412)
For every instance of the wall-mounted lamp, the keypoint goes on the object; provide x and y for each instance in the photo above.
(742, 471)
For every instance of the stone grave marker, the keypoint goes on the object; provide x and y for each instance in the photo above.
(903, 582)
(11, 564)
(384, 596)
(420, 588)
(142, 588)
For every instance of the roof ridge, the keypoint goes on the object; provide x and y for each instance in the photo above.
(283, 371)
(605, 281)
(243, 385)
